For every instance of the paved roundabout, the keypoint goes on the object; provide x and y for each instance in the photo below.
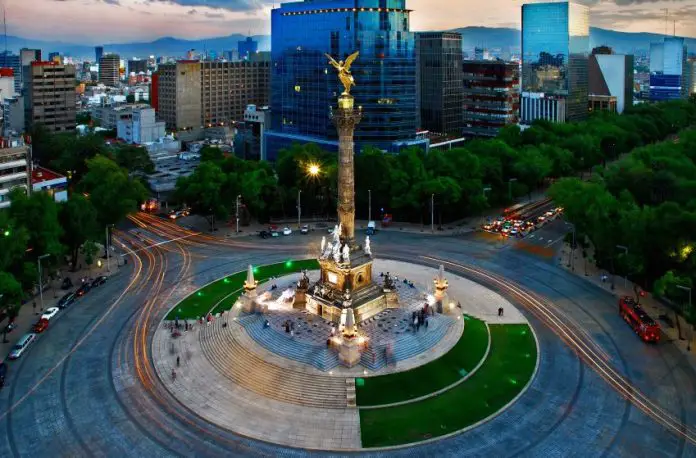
(245, 374)
(90, 385)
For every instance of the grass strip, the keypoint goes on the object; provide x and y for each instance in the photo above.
(505, 373)
(200, 302)
(430, 377)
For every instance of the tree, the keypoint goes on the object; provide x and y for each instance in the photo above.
(112, 192)
(202, 191)
(11, 290)
(89, 250)
(79, 220)
(532, 167)
(133, 158)
(38, 213)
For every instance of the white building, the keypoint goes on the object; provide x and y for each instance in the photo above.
(141, 128)
(45, 180)
(7, 84)
(15, 166)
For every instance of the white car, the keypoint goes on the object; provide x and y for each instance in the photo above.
(287, 231)
(304, 229)
(50, 313)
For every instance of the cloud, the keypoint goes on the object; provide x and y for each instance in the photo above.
(214, 15)
(232, 5)
(192, 12)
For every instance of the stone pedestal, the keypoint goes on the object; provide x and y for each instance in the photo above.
(349, 352)
(300, 298)
(392, 298)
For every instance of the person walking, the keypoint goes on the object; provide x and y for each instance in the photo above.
(178, 361)
(500, 311)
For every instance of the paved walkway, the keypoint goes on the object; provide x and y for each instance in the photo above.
(624, 287)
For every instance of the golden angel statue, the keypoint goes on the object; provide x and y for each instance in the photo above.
(343, 69)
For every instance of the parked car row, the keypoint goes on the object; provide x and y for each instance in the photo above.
(274, 231)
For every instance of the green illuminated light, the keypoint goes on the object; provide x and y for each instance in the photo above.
(7, 233)
(226, 280)
(199, 293)
(256, 270)
(288, 263)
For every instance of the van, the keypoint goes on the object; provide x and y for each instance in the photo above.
(22, 345)
(370, 228)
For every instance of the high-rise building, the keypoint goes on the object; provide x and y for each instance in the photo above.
(7, 83)
(491, 96)
(248, 143)
(141, 127)
(29, 55)
(15, 168)
(179, 95)
(668, 70)
(109, 68)
(304, 85)
(692, 64)
(98, 53)
(555, 50)
(439, 57)
(54, 56)
(9, 60)
(137, 66)
(50, 96)
(13, 116)
(247, 48)
(610, 80)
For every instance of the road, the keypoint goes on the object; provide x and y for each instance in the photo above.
(87, 386)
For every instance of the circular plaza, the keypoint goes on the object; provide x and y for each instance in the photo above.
(274, 374)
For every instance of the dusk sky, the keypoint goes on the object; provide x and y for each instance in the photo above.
(113, 21)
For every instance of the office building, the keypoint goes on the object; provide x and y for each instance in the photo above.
(555, 50)
(141, 127)
(247, 48)
(9, 60)
(137, 66)
(668, 70)
(231, 56)
(108, 116)
(15, 167)
(13, 116)
(249, 141)
(490, 96)
(439, 57)
(610, 81)
(54, 57)
(109, 68)
(98, 53)
(692, 66)
(228, 87)
(179, 94)
(194, 94)
(304, 85)
(28, 56)
(50, 96)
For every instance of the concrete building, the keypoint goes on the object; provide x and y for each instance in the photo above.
(13, 116)
(249, 141)
(669, 72)
(7, 83)
(137, 66)
(692, 68)
(228, 87)
(15, 168)
(141, 127)
(610, 76)
(50, 97)
(108, 116)
(439, 61)
(490, 97)
(179, 94)
(193, 94)
(50, 182)
(555, 51)
(109, 68)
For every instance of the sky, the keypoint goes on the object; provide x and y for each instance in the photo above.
(118, 21)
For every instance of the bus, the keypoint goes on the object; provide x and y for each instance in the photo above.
(513, 210)
(646, 328)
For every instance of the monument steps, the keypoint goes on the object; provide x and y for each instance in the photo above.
(250, 371)
(314, 355)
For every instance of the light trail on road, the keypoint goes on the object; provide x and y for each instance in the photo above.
(557, 321)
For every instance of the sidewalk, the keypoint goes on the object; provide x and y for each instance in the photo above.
(624, 287)
(28, 315)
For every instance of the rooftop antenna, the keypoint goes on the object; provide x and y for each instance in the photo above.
(674, 31)
(666, 10)
(4, 21)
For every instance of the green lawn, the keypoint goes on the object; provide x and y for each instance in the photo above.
(444, 371)
(504, 374)
(200, 302)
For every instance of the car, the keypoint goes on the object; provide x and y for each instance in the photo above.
(84, 289)
(287, 231)
(264, 234)
(50, 313)
(330, 230)
(3, 373)
(304, 229)
(40, 326)
(100, 280)
(66, 300)
(21, 345)
(514, 231)
(274, 233)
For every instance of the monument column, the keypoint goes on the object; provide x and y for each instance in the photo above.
(345, 119)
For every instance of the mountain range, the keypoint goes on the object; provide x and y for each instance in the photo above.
(506, 39)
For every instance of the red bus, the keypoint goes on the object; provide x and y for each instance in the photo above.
(646, 328)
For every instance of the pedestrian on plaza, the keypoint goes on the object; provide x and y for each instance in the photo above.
(34, 305)
(500, 311)
(426, 323)
(177, 361)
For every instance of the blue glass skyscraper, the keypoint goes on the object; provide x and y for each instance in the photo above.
(247, 47)
(668, 70)
(304, 86)
(555, 54)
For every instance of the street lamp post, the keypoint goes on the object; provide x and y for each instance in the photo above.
(625, 249)
(432, 213)
(299, 209)
(236, 214)
(369, 205)
(687, 289)
(106, 247)
(510, 187)
(43, 256)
